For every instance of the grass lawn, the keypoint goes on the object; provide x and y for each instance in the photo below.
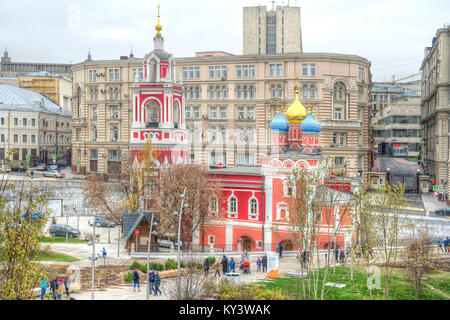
(55, 256)
(62, 240)
(436, 287)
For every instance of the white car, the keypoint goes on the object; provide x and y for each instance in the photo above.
(53, 174)
(4, 168)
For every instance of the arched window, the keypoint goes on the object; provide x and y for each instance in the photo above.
(312, 92)
(115, 133)
(232, 207)
(176, 115)
(152, 114)
(153, 70)
(339, 91)
(253, 209)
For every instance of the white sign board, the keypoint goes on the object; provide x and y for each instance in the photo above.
(272, 265)
(56, 208)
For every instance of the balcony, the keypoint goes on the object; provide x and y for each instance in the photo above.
(152, 125)
(78, 122)
(340, 124)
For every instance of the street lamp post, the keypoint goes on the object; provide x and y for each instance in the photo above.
(178, 249)
(147, 294)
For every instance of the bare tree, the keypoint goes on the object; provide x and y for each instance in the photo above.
(200, 193)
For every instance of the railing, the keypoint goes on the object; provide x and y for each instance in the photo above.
(341, 123)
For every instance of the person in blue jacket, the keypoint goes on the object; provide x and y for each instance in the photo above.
(44, 286)
(151, 278)
(232, 265)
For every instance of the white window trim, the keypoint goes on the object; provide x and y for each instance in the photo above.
(282, 206)
(250, 215)
(232, 214)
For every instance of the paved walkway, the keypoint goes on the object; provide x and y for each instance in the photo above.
(431, 202)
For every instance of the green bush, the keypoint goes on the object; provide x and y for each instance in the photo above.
(212, 260)
(128, 277)
(135, 264)
(171, 264)
(230, 291)
(154, 265)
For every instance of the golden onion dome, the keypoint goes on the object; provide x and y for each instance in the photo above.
(158, 26)
(296, 113)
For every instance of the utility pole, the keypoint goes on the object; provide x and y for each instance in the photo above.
(178, 251)
(93, 263)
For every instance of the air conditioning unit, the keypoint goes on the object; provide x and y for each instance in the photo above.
(126, 95)
(241, 117)
(102, 90)
(224, 78)
(205, 117)
(115, 116)
(113, 139)
(332, 145)
(250, 118)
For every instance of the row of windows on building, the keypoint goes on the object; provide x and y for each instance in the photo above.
(248, 92)
(46, 139)
(221, 113)
(114, 133)
(25, 121)
(383, 97)
(112, 154)
(114, 112)
(222, 134)
(244, 71)
(402, 133)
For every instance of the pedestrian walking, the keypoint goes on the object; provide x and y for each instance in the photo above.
(446, 244)
(136, 279)
(342, 255)
(224, 264)
(60, 289)
(54, 287)
(206, 264)
(44, 286)
(280, 249)
(157, 284)
(259, 263)
(264, 263)
(336, 254)
(67, 283)
(151, 280)
(232, 265)
(32, 174)
(104, 253)
(304, 257)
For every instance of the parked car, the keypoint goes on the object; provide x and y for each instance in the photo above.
(101, 221)
(167, 243)
(19, 166)
(42, 167)
(443, 212)
(5, 168)
(54, 174)
(60, 230)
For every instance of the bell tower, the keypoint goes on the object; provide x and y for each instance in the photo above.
(158, 106)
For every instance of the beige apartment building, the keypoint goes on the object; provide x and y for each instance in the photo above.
(435, 106)
(102, 112)
(231, 99)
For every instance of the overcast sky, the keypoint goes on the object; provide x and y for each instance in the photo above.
(392, 34)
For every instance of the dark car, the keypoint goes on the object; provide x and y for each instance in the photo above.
(60, 230)
(443, 212)
(101, 221)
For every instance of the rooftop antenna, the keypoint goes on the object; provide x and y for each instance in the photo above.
(273, 5)
(131, 52)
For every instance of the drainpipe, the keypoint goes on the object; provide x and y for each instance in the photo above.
(263, 214)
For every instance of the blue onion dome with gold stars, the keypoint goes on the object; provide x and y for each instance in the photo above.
(308, 125)
(317, 125)
(279, 123)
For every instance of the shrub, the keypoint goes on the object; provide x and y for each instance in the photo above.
(230, 291)
(212, 260)
(154, 265)
(128, 277)
(135, 264)
(171, 264)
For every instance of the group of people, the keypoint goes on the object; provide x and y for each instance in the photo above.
(154, 281)
(339, 255)
(229, 265)
(58, 286)
(444, 245)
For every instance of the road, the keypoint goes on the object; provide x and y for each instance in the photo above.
(398, 165)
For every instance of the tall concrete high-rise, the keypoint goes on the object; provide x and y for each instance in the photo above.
(272, 32)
